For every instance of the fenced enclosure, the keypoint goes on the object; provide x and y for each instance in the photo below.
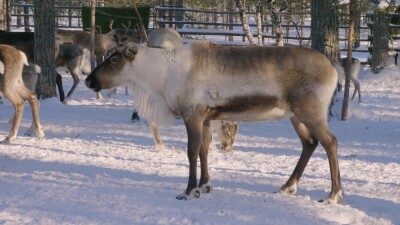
(195, 24)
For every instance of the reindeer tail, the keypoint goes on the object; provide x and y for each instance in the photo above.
(24, 59)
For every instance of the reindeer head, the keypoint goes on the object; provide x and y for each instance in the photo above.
(111, 73)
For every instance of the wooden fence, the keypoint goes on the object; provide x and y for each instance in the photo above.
(193, 23)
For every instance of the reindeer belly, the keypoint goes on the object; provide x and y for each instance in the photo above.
(250, 108)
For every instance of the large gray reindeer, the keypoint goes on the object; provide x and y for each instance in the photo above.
(12, 86)
(103, 43)
(168, 38)
(202, 81)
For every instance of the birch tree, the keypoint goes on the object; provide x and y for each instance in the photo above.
(245, 24)
(354, 8)
(275, 13)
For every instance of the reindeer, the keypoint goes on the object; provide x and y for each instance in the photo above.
(354, 71)
(121, 36)
(168, 38)
(202, 81)
(76, 59)
(103, 43)
(12, 86)
(157, 38)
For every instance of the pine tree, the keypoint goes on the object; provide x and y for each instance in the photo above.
(44, 18)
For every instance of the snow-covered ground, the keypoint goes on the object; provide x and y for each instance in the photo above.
(96, 167)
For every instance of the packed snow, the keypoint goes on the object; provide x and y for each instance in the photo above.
(97, 167)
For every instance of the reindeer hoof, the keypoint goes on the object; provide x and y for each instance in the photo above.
(195, 193)
(29, 132)
(7, 140)
(333, 199)
(39, 133)
(288, 190)
(66, 101)
(207, 187)
(160, 147)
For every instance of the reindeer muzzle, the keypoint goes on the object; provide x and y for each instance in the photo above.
(92, 83)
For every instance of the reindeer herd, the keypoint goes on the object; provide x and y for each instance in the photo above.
(199, 82)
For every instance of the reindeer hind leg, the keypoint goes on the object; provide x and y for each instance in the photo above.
(19, 105)
(28, 95)
(356, 89)
(320, 130)
(309, 143)
(156, 137)
(75, 78)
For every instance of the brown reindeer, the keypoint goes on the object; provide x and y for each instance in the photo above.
(202, 81)
(12, 86)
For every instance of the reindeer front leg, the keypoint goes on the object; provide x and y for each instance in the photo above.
(194, 128)
(205, 184)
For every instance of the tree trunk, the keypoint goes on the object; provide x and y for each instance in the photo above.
(179, 14)
(2, 15)
(259, 24)
(231, 6)
(357, 25)
(8, 14)
(26, 19)
(92, 33)
(324, 28)
(353, 17)
(243, 19)
(44, 17)
(18, 11)
(380, 39)
(275, 14)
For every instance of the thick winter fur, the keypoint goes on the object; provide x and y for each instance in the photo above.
(76, 59)
(12, 86)
(354, 71)
(202, 81)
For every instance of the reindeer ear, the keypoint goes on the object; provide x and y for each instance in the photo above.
(130, 52)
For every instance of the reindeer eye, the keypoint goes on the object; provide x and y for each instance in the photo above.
(114, 59)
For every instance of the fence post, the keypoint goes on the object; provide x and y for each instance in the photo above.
(26, 18)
